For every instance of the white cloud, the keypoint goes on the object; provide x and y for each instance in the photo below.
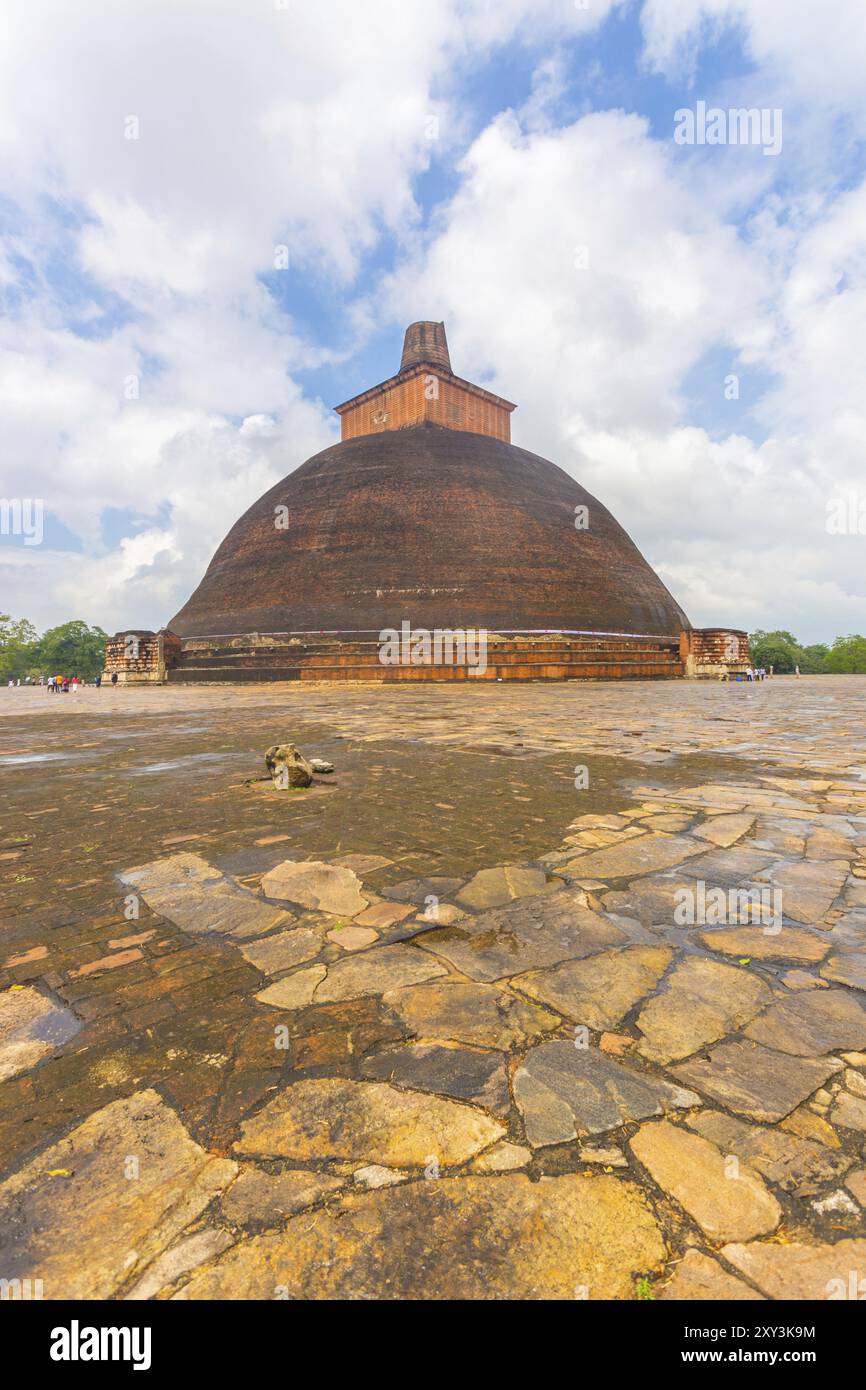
(579, 259)
(303, 120)
(256, 126)
(597, 357)
(306, 125)
(814, 52)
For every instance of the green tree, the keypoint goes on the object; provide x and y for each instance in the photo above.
(781, 650)
(72, 649)
(813, 660)
(18, 647)
(848, 654)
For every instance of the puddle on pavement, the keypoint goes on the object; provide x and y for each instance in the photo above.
(175, 764)
(20, 759)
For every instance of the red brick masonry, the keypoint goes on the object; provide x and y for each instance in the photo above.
(140, 655)
(714, 652)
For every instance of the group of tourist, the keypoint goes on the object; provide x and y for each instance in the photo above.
(63, 684)
(59, 685)
(56, 685)
(751, 673)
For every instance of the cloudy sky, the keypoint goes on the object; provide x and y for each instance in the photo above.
(508, 166)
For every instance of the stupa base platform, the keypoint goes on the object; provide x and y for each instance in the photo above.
(356, 657)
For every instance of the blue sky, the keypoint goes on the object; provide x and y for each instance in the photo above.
(150, 261)
(601, 70)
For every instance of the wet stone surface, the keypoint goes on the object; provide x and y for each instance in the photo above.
(440, 1008)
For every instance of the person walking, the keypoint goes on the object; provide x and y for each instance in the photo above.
(114, 680)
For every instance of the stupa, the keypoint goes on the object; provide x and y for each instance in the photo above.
(425, 516)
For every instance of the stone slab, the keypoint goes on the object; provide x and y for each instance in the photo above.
(799, 1271)
(725, 830)
(534, 932)
(701, 1001)
(121, 1223)
(477, 1238)
(699, 1278)
(601, 990)
(810, 1024)
(645, 854)
(32, 1027)
(786, 1159)
(564, 1092)
(727, 1202)
(849, 1112)
(185, 1255)
(480, 1014)
(294, 991)
(415, 890)
(376, 970)
(809, 888)
(274, 954)
(314, 884)
(383, 915)
(501, 885)
(258, 1198)
(754, 1081)
(366, 1121)
(199, 898)
(463, 1073)
(788, 943)
(846, 968)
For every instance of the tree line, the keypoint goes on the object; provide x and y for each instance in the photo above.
(782, 651)
(72, 649)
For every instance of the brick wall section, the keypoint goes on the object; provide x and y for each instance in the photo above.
(715, 652)
(347, 656)
(427, 395)
(140, 656)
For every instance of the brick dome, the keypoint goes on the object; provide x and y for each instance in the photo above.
(438, 526)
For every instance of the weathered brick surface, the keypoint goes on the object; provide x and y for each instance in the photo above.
(426, 394)
(441, 528)
(715, 651)
(425, 390)
(139, 655)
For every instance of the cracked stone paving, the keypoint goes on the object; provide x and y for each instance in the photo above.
(435, 1027)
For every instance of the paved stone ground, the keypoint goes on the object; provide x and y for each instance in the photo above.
(431, 1027)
